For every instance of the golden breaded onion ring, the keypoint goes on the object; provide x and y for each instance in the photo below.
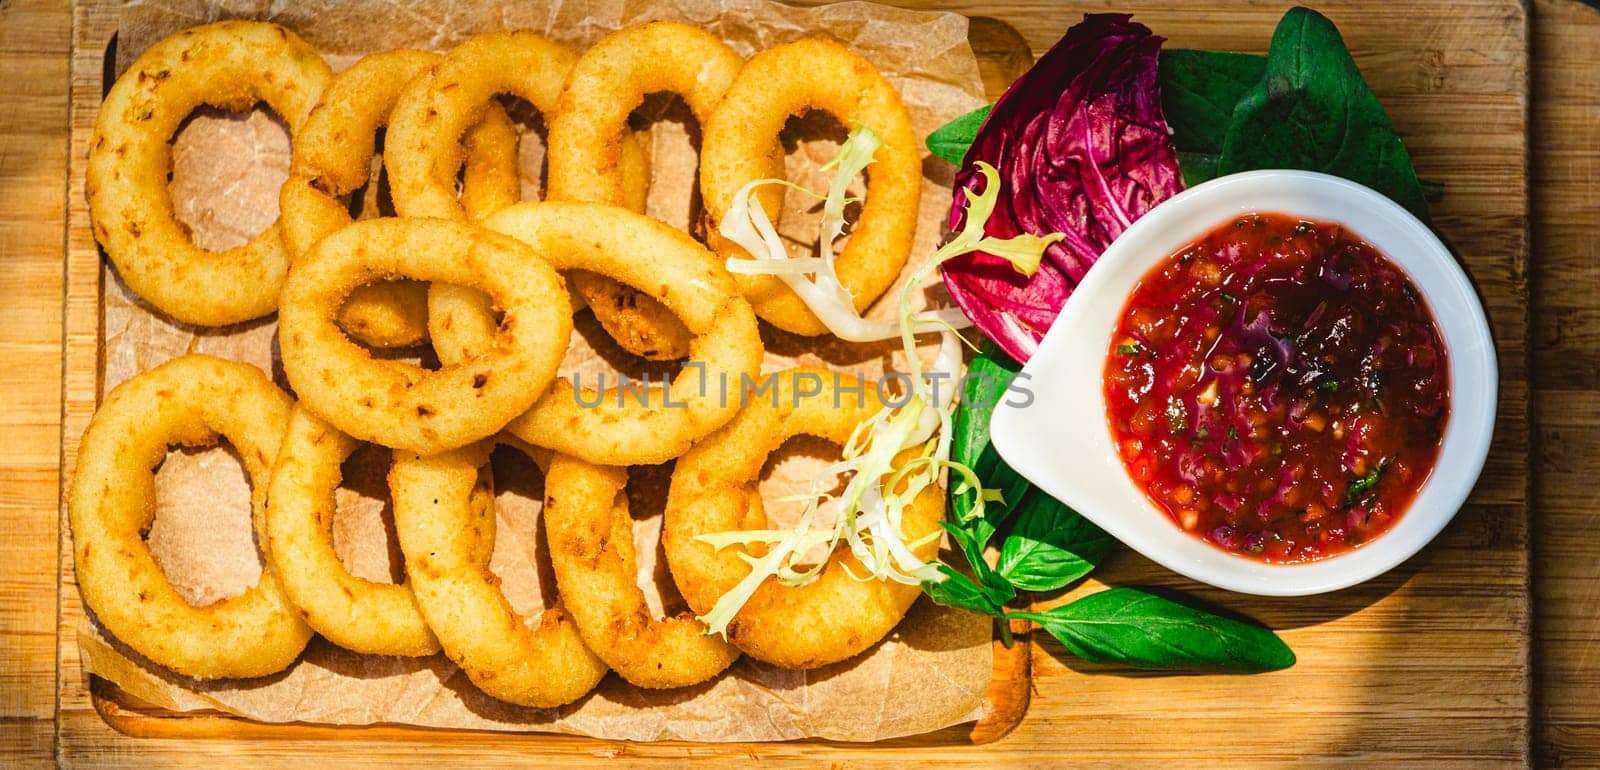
(793, 79)
(230, 65)
(609, 82)
(542, 666)
(591, 548)
(400, 405)
(614, 428)
(423, 148)
(356, 614)
(835, 616)
(187, 401)
(333, 158)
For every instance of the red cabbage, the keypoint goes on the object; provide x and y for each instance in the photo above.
(1083, 150)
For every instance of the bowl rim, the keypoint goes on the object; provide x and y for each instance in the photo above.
(1082, 469)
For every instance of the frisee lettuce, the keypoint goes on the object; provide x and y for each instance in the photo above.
(874, 499)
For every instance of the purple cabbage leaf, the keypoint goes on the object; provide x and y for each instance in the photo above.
(1083, 150)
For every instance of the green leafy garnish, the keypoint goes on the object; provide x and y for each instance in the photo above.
(959, 591)
(1130, 349)
(1051, 547)
(990, 582)
(950, 141)
(1135, 628)
(1199, 90)
(989, 374)
(1312, 110)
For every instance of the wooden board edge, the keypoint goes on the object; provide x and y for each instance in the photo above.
(93, 25)
(1010, 687)
(1524, 268)
(1003, 55)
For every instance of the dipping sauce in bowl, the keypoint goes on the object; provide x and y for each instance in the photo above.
(1279, 388)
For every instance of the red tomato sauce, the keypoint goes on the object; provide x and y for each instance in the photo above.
(1279, 388)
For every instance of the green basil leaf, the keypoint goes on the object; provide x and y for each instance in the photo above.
(951, 140)
(963, 538)
(1313, 111)
(983, 388)
(1051, 546)
(1199, 90)
(1197, 167)
(1135, 628)
(994, 586)
(958, 590)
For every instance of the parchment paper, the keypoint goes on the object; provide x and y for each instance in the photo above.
(932, 672)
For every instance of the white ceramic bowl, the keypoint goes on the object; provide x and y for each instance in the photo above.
(1061, 441)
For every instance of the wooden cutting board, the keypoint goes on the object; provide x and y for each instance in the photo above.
(1429, 663)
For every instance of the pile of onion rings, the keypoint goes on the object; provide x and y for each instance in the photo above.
(449, 110)
(483, 279)
(424, 145)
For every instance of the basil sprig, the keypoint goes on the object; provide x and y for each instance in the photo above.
(1047, 546)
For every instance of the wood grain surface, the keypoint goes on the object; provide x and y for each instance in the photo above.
(1566, 361)
(34, 39)
(1428, 666)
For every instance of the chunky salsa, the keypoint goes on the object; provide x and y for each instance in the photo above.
(1279, 388)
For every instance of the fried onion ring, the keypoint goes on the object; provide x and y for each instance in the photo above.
(644, 253)
(543, 666)
(591, 548)
(835, 616)
(423, 151)
(400, 405)
(230, 65)
(609, 82)
(793, 79)
(353, 613)
(333, 158)
(187, 401)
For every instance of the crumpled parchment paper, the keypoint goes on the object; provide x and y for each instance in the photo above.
(932, 672)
